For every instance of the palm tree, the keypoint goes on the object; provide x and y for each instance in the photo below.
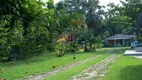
(92, 14)
(93, 17)
(112, 10)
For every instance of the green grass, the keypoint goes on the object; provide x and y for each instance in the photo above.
(125, 68)
(40, 64)
(66, 75)
(44, 63)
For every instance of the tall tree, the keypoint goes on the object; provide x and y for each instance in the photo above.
(132, 9)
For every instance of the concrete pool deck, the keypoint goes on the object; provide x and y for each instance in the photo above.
(133, 53)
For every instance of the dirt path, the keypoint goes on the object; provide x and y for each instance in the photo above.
(62, 68)
(98, 70)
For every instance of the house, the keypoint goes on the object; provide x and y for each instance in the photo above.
(118, 40)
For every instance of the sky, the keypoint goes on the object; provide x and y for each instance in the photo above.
(102, 2)
(105, 2)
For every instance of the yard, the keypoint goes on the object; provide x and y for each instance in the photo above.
(65, 39)
(38, 65)
(125, 68)
(108, 62)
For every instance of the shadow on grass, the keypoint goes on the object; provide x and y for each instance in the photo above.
(32, 60)
(131, 73)
(115, 50)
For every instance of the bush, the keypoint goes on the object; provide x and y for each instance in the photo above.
(73, 47)
(4, 44)
(15, 46)
(100, 45)
(94, 46)
(60, 48)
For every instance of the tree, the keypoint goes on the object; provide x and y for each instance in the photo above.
(132, 9)
(92, 13)
(17, 23)
(60, 5)
(50, 4)
(118, 25)
(112, 10)
(93, 17)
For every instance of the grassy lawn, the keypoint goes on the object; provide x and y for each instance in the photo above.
(40, 64)
(125, 68)
(44, 63)
(67, 74)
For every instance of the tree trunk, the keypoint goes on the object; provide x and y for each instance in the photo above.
(66, 46)
(85, 49)
(90, 46)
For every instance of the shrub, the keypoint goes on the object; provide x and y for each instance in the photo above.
(60, 48)
(73, 47)
(100, 45)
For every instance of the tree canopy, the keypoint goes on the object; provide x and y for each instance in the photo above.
(29, 27)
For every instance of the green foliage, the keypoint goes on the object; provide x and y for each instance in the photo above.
(94, 46)
(50, 4)
(28, 29)
(132, 9)
(122, 19)
(60, 5)
(61, 48)
(4, 43)
(97, 44)
(100, 45)
(73, 47)
(92, 14)
(119, 24)
(18, 39)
